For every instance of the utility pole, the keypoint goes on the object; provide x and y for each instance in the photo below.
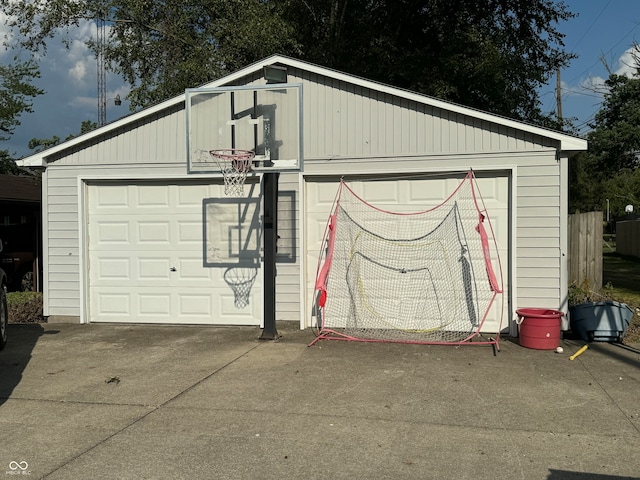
(559, 97)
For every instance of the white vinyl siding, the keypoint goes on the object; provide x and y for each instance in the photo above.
(157, 139)
(62, 257)
(342, 120)
(538, 234)
(288, 256)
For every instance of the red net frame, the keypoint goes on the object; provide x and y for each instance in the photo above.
(363, 257)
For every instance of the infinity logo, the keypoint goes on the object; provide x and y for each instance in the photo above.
(18, 465)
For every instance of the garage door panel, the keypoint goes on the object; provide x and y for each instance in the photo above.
(146, 261)
(152, 268)
(433, 195)
(152, 196)
(191, 269)
(109, 198)
(381, 196)
(107, 232)
(190, 232)
(149, 306)
(114, 304)
(153, 304)
(413, 195)
(153, 232)
(113, 268)
(193, 196)
(195, 305)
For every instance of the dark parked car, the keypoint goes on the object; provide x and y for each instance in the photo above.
(4, 314)
(17, 256)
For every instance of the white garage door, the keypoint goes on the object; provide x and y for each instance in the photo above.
(408, 196)
(159, 253)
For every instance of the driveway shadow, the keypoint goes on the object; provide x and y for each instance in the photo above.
(22, 339)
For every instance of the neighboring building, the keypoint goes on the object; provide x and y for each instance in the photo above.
(123, 221)
(20, 230)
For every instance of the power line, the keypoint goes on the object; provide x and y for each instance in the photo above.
(552, 91)
(591, 26)
(607, 53)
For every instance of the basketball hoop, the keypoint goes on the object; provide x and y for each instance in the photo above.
(234, 165)
(240, 280)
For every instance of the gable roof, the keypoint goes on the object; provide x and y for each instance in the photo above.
(567, 142)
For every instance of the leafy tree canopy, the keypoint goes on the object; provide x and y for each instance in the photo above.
(16, 94)
(615, 138)
(40, 144)
(8, 165)
(490, 55)
(610, 170)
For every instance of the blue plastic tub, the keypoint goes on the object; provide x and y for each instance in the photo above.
(600, 321)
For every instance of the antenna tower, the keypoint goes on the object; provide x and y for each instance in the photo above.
(102, 79)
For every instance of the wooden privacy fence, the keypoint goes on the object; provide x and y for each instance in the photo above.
(585, 250)
(628, 237)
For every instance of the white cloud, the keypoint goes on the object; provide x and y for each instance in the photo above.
(69, 78)
(77, 61)
(627, 64)
(78, 71)
(84, 101)
(594, 84)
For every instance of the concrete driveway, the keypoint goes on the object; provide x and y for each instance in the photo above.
(157, 402)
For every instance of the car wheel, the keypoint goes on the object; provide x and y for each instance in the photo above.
(4, 317)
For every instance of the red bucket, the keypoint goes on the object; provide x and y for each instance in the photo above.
(539, 328)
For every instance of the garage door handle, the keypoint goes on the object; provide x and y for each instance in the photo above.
(173, 269)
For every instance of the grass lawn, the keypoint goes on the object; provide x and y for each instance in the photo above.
(621, 278)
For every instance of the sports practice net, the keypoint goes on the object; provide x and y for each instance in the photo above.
(425, 277)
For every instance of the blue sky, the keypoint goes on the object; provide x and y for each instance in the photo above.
(603, 29)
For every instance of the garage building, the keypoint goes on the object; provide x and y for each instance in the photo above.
(124, 223)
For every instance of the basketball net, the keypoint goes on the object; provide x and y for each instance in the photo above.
(234, 165)
(240, 280)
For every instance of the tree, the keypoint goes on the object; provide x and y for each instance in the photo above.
(16, 94)
(40, 144)
(8, 165)
(490, 55)
(615, 138)
(585, 192)
(622, 189)
(162, 47)
(16, 97)
(610, 170)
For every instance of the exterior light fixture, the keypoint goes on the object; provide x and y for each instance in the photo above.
(275, 74)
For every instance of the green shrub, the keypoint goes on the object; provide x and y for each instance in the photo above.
(583, 293)
(25, 307)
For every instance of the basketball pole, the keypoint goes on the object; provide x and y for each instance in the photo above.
(270, 192)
